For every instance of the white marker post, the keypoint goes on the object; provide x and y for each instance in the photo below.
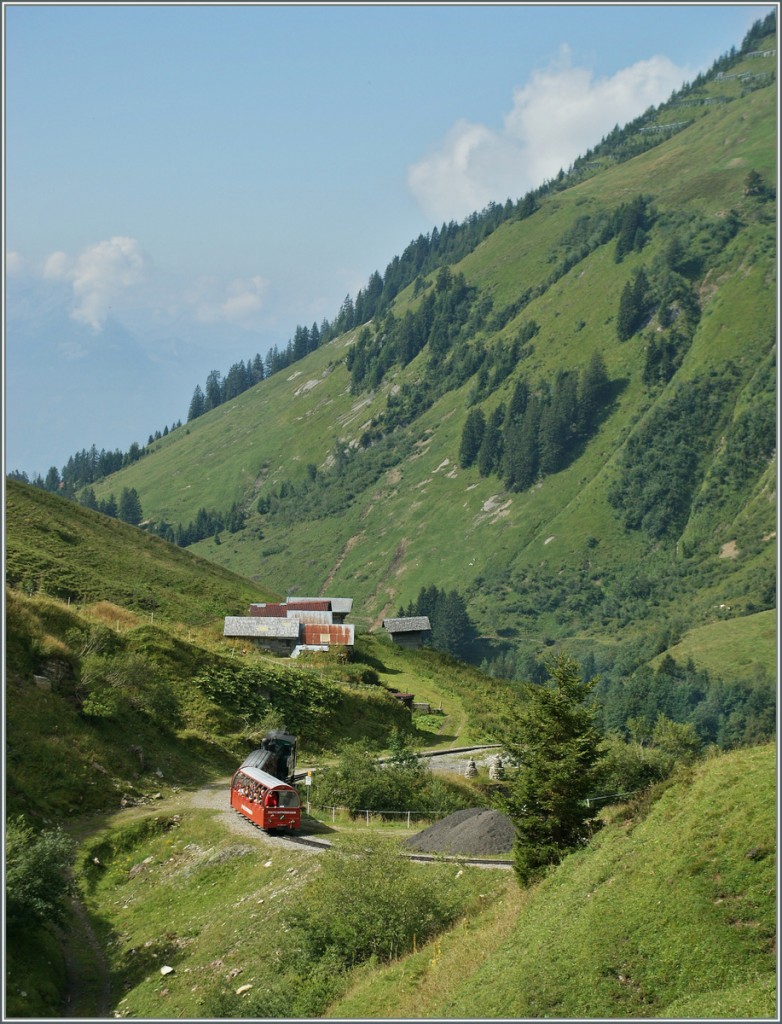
(308, 783)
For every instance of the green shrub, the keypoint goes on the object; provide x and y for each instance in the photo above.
(37, 875)
(628, 767)
(120, 682)
(404, 783)
(368, 901)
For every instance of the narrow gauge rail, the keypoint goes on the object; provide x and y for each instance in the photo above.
(420, 858)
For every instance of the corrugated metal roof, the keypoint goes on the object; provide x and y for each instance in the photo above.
(340, 605)
(328, 634)
(305, 604)
(281, 629)
(413, 624)
(324, 618)
(269, 611)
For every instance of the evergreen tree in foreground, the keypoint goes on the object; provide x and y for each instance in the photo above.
(556, 743)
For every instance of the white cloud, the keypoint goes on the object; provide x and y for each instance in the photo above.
(557, 116)
(234, 303)
(100, 276)
(15, 263)
(56, 266)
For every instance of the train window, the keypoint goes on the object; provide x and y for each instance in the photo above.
(288, 797)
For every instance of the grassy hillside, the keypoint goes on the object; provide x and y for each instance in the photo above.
(737, 646)
(669, 913)
(356, 504)
(623, 324)
(120, 681)
(62, 550)
(113, 702)
(126, 717)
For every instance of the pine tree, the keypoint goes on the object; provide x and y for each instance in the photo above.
(634, 305)
(301, 340)
(490, 453)
(626, 317)
(197, 404)
(214, 390)
(522, 448)
(88, 499)
(518, 402)
(593, 393)
(452, 629)
(632, 229)
(108, 506)
(257, 369)
(552, 437)
(472, 436)
(556, 743)
(130, 506)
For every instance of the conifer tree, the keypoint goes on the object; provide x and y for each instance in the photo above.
(108, 506)
(593, 393)
(214, 390)
(472, 436)
(626, 317)
(452, 629)
(490, 452)
(197, 404)
(522, 449)
(556, 743)
(130, 506)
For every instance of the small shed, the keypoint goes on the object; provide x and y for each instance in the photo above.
(408, 632)
(273, 634)
(405, 698)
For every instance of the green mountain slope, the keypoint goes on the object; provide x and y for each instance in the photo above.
(622, 509)
(69, 552)
(126, 710)
(118, 675)
(360, 484)
(671, 915)
(116, 666)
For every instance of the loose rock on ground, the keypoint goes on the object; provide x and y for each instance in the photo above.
(477, 831)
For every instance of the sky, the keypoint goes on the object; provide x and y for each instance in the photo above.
(184, 184)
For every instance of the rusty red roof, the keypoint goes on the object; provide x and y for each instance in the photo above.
(269, 611)
(327, 634)
(305, 605)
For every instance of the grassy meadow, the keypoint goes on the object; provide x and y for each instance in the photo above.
(124, 696)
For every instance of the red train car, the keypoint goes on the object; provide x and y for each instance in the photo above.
(264, 800)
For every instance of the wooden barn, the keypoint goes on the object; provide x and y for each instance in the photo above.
(297, 624)
(408, 632)
(273, 634)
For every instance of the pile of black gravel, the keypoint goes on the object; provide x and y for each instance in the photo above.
(477, 831)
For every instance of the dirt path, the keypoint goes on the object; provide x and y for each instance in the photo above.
(88, 986)
(88, 993)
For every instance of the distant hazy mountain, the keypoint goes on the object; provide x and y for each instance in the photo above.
(69, 386)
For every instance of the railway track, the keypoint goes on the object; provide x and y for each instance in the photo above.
(420, 858)
(428, 754)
